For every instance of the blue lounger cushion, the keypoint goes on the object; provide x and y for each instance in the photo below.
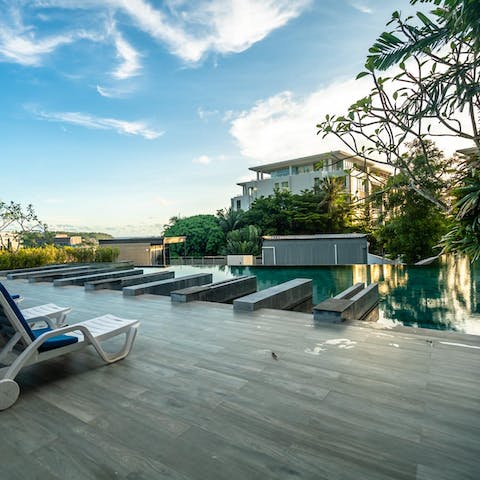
(49, 344)
(53, 342)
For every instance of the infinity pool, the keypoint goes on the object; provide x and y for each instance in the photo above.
(444, 296)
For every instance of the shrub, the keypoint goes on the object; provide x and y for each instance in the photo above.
(50, 254)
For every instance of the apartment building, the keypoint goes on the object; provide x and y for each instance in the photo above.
(305, 173)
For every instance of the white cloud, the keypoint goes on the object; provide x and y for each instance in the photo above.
(206, 114)
(190, 30)
(284, 126)
(107, 92)
(130, 66)
(24, 48)
(89, 121)
(361, 7)
(202, 160)
(235, 25)
(162, 201)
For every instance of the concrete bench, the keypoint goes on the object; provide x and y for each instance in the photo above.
(165, 287)
(119, 283)
(50, 277)
(220, 292)
(285, 296)
(40, 271)
(80, 280)
(347, 306)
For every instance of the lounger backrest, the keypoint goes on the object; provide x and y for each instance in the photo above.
(10, 313)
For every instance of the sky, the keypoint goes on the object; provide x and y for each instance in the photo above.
(118, 114)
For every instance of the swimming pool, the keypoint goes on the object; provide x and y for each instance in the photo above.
(444, 296)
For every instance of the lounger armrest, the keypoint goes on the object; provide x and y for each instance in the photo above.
(42, 318)
(60, 331)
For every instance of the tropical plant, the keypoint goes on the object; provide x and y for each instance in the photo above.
(244, 241)
(411, 226)
(230, 219)
(433, 92)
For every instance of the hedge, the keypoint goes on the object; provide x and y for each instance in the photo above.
(49, 254)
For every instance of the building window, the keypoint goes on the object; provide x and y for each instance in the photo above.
(276, 186)
(302, 169)
(239, 204)
(285, 186)
(282, 172)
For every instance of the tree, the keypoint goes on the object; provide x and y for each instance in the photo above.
(272, 214)
(464, 236)
(414, 225)
(203, 232)
(229, 219)
(244, 241)
(18, 221)
(323, 209)
(433, 93)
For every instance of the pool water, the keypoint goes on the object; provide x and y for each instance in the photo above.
(443, 296)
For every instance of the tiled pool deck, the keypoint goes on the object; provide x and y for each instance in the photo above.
(200, 397)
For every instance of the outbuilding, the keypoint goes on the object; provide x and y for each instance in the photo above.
(143, 251)
(320, 249)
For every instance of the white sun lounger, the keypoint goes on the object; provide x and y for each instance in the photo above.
(55, 313)
(28, 346)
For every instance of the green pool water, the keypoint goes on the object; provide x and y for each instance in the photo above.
(444, 296)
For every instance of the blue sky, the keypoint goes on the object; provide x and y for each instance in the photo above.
(118, 114)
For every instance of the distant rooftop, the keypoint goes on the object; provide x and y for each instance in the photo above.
(151, 240)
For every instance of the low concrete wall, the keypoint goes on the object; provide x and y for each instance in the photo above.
(80, 280)
(283, 297)
(346, 306)
(120, 283)
(220, 292)
(241, 259)
(165, 287)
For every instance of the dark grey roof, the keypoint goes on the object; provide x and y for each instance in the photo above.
(150, 240)
(338, 154)
(319, 236)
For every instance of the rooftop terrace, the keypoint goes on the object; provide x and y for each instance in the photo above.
(200, 397)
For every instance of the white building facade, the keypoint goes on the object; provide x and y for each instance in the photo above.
(305, 173)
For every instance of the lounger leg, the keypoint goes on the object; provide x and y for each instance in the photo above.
(122, 353)
(9, 391)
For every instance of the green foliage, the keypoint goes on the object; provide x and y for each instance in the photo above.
(37, 239)
(230, 219)
(324, 209)
(19, 220)
(203, 232)
(106, 254)
(464, 236)
(434, 94)
(49, 254)
(414, 225)
(244, 241)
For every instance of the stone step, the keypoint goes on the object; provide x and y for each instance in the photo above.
(285, 296)
(165, 287)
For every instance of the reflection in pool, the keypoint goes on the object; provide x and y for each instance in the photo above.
(443, 296)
